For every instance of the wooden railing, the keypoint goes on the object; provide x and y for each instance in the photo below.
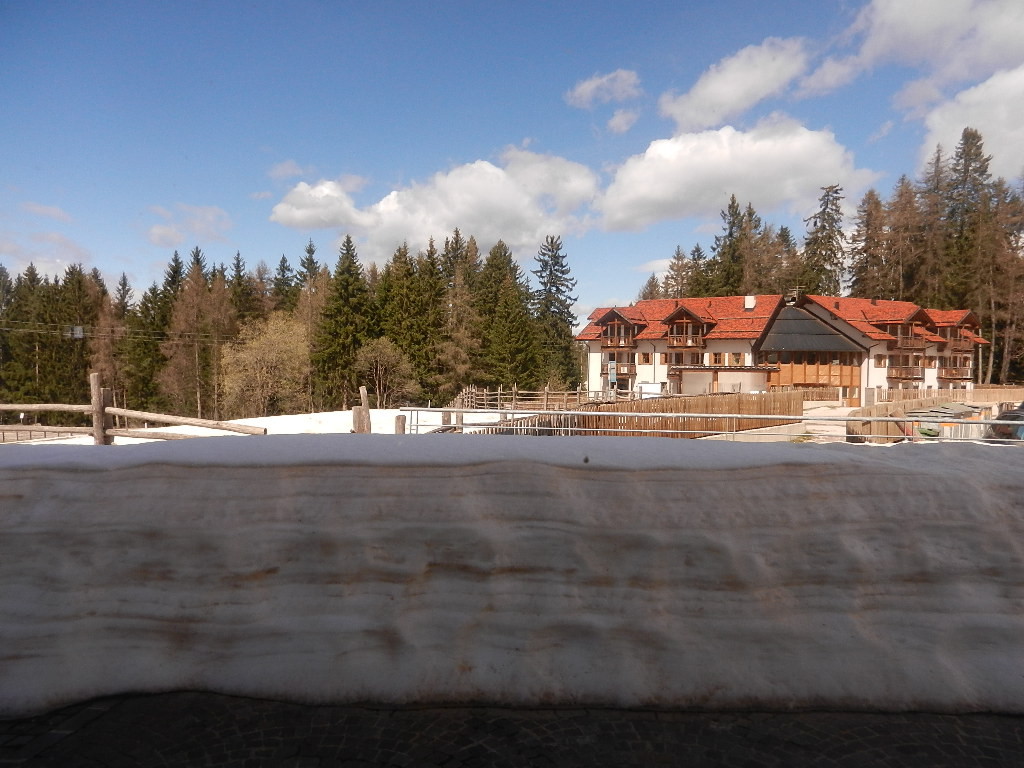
(679, 416)
(692, 341)
(102, 413)
(908, 342)
(514, 398)
(905, 372)
(617, 342)
(955, 373)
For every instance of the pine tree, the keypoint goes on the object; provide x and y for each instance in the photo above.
(907, 267)
(651, 289)
(139, 356)
(700, 283)
(344, 327)
(870, 274)
(309, 267)
(245, 296)
(823, 259)
(552, 308)
(969, 195)
(725, 270)
(509, 350)
(676, 283)
(285, 291)
(924, 271)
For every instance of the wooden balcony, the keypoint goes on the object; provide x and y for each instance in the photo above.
(623, 369)
(618, 342)
(955, 373)
(909, 343)
(686, 342)
(960, 345)
(905, 372)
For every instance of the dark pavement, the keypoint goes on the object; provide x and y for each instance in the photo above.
(203, 729)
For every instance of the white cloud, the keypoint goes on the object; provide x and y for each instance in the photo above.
(737, 83)
(622, 120)
(620, 85)
(779, 164)
(50, 252)
(46, 211)
(657, 266)
(996, 109)
(520, 201)
(264, 195)
(188, 221)
(61, 249)
(289, 169)
(953, 41)
(165, 236)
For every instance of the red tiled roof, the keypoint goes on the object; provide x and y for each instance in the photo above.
(972, 336)
(869, 310)
(927, 335)
(730, 320)
(947, 317)
(725, 313)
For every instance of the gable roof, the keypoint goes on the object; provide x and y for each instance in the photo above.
(728, 316)
(877, 311)
(796, 329)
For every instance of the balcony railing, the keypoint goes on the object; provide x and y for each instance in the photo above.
(693, 341)
(955, 373)
(908, 342)
(624, 369)
(617, 342)
(960, 345)
(906, 372)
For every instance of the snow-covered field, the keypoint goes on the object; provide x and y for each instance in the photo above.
(516, 570)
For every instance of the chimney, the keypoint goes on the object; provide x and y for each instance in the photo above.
(749, 302)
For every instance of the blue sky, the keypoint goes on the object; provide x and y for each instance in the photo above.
(134, 129)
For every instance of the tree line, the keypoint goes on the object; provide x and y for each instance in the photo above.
(949, 240)
(219, 341)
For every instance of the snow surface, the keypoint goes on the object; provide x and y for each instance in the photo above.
(515, 570)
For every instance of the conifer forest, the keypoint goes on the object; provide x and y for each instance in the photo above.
(228, 341)
(235, 340)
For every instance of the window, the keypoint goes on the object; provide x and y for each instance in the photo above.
(737, 358)
(718, 358)
(645, 358)
(879, 361)
(696, 358)
(664, 358)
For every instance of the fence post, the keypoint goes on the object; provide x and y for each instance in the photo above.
(515, 395)
(459, 421)
(400, 424)
(364, 399)
(100, 399)
(361, 420)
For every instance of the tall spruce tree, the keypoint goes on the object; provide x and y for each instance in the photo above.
(871, 275)
(285, 290)
(823, 261)
(553, 301)
(345, 325)
(509, 350)
(725, 269)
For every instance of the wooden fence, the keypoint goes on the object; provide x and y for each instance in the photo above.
(501, 399)
(679, 416)
(102, 414)
(980, 394)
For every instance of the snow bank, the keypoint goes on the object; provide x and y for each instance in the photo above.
(532, 571)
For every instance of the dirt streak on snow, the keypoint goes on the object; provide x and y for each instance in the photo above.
(627, 572)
